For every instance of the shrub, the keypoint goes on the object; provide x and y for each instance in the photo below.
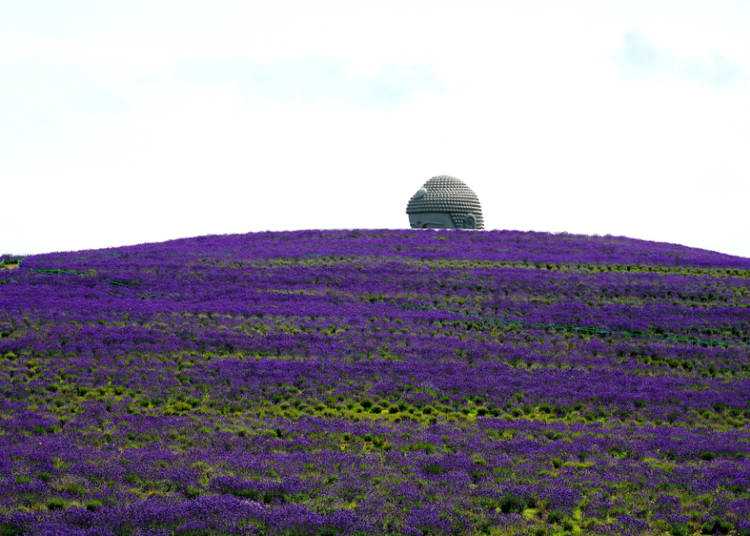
(716, 525)
(56, 503)
(512, 503)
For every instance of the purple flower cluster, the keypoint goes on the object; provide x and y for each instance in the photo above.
(376, 382)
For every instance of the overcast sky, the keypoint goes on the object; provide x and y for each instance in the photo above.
(138, 121)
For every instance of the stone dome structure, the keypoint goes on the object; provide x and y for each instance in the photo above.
(447, 202)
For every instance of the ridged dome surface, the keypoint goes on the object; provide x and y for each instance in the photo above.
(447, 194)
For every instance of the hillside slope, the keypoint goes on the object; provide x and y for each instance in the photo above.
(376, 382)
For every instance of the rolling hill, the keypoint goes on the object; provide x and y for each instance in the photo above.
(376, 382)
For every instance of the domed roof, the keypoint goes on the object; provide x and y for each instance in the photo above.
(446, 194)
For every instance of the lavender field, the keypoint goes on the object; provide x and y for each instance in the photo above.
(416, 382)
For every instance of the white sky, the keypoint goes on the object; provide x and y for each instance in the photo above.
(126, 122)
